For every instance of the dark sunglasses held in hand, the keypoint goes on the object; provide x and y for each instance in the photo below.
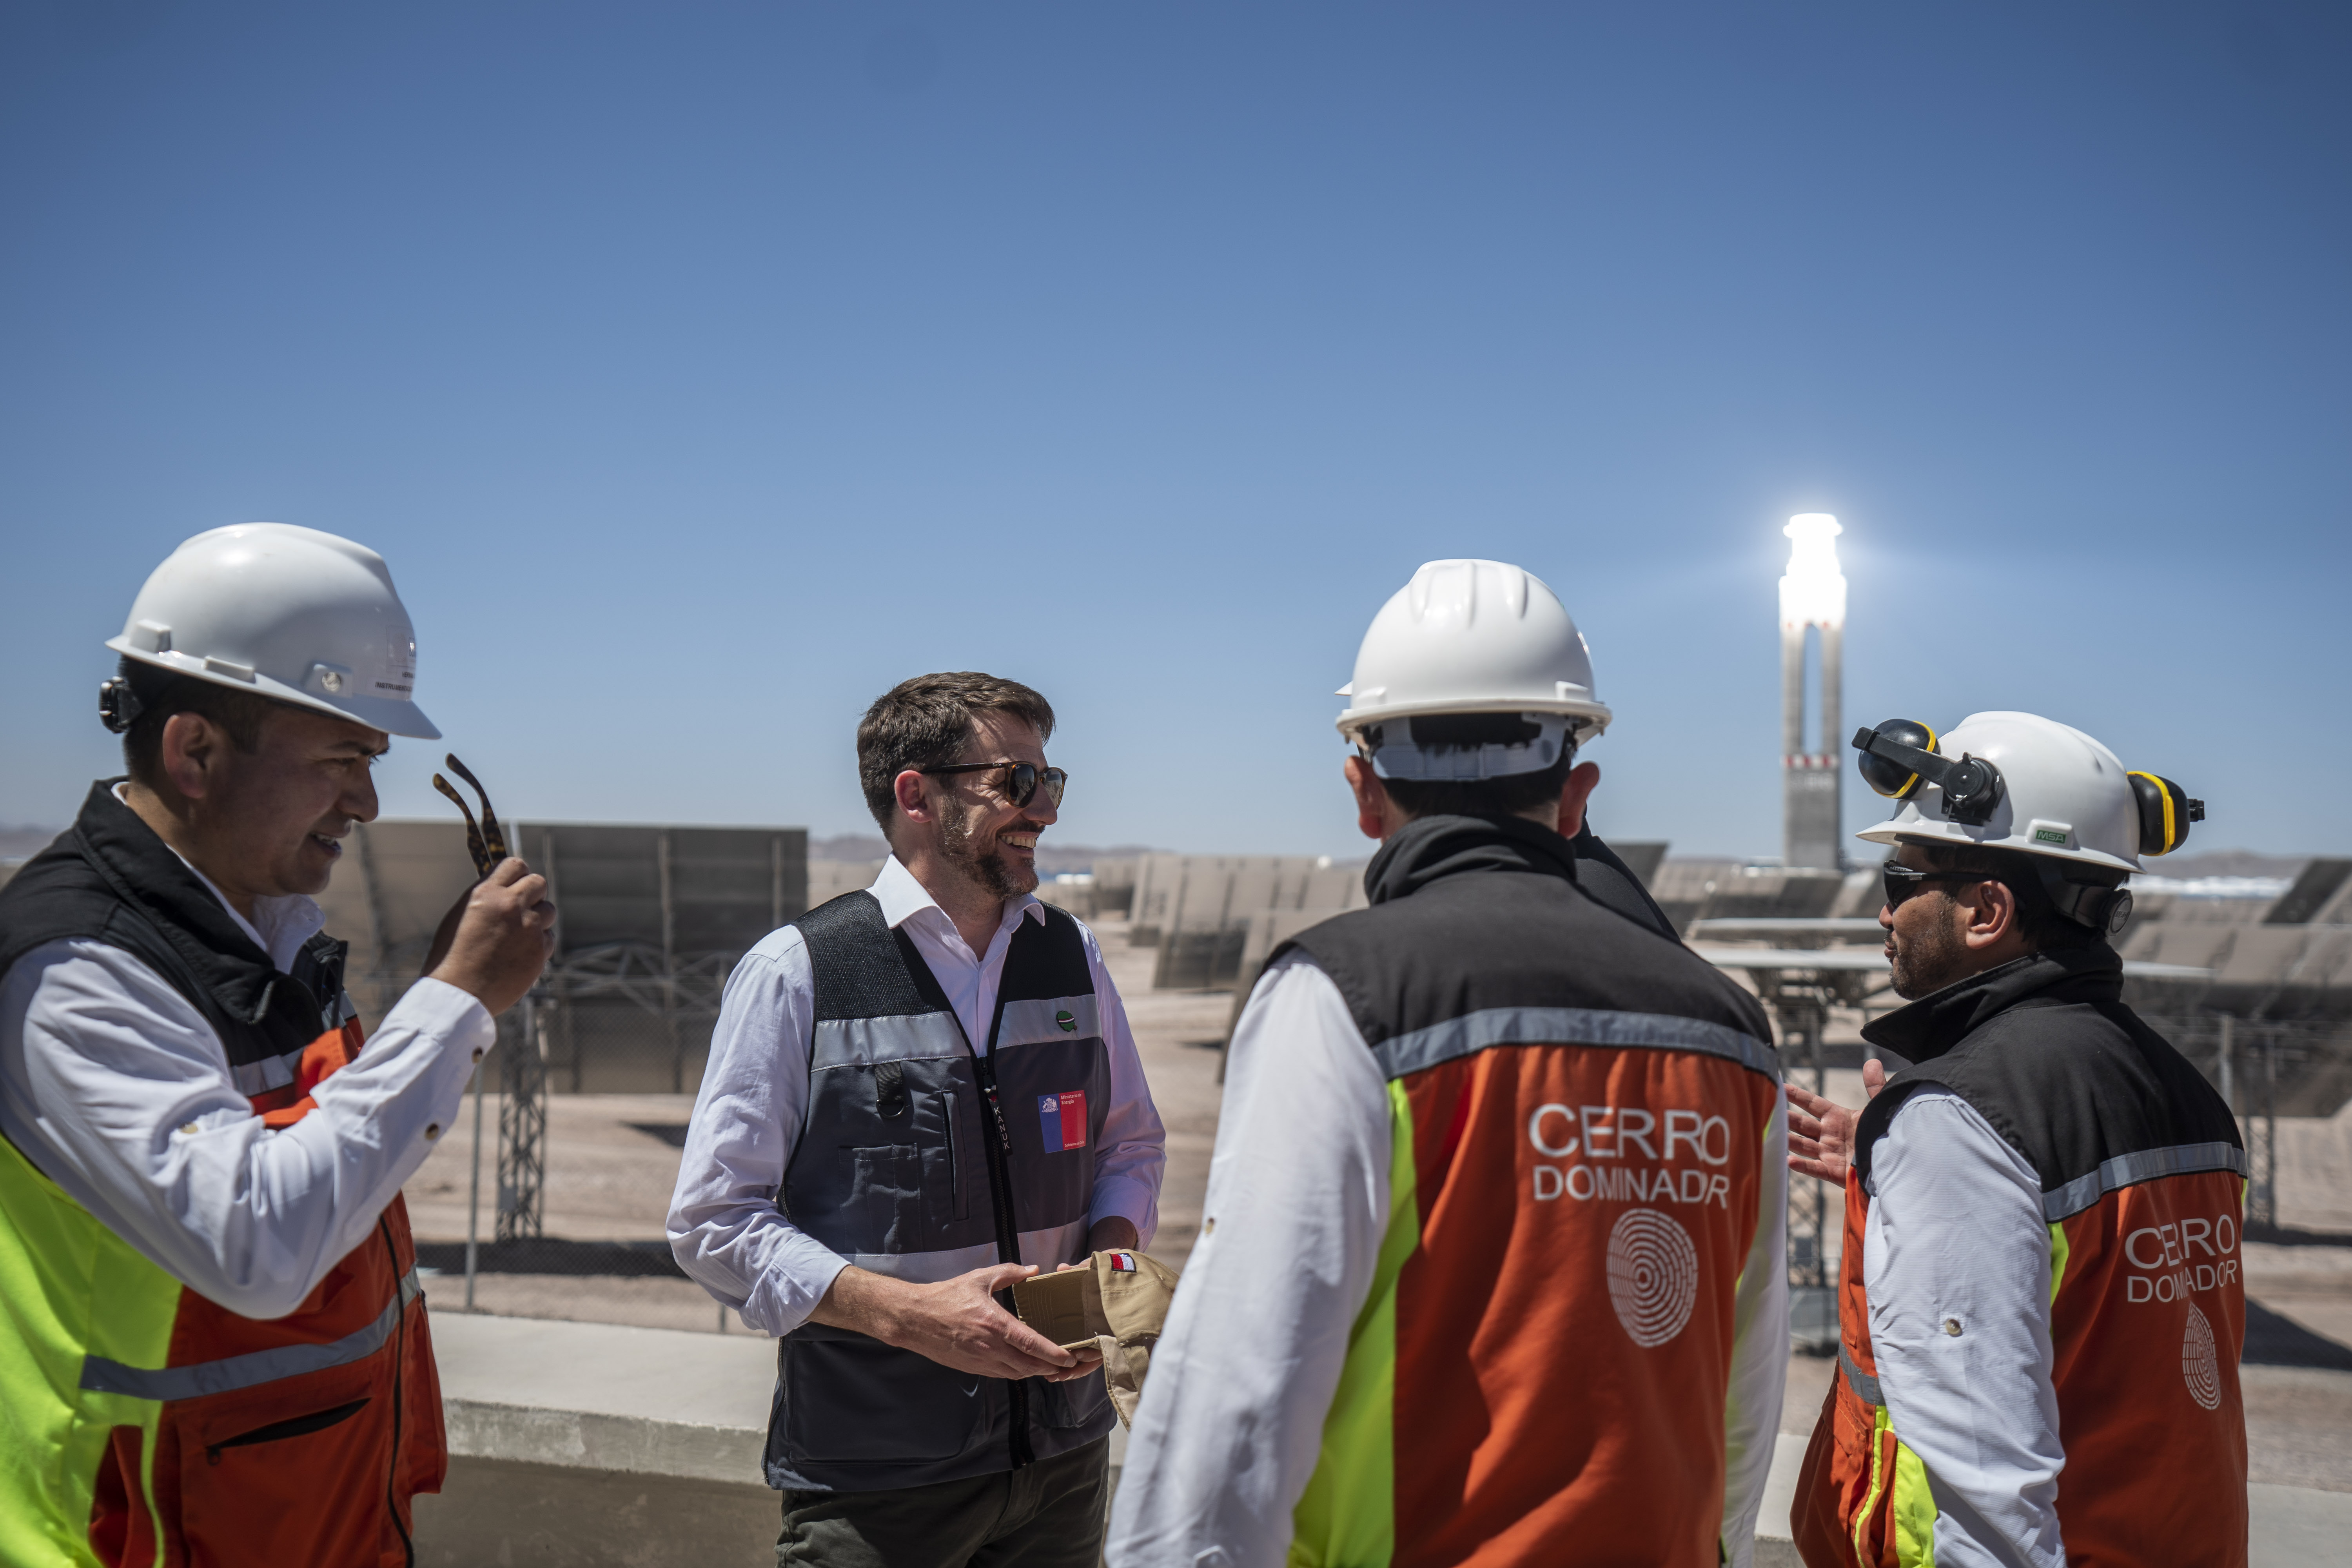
(1021, 784)
(485, 842)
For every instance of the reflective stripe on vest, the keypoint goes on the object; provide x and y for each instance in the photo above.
(2146, 1166)
(1864, 1387)
(1424, 1048)
(99, 1375)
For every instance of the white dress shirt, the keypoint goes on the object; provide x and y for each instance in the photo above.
(1956, 1236)
(1230, 1425)
(119, 1090)
(724, 1226)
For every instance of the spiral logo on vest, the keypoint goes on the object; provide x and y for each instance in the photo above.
(2200, 1366)
(1653, 1276)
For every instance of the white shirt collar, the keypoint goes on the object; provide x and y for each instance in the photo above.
(290, 919)
(902, 897)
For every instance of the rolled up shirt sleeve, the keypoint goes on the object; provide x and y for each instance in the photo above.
(725, 1229)
(122, 1092)
(1956, 1262)
(1134, 1153)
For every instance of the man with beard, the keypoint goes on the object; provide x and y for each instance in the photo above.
(918, 1095)
(2040, 1266)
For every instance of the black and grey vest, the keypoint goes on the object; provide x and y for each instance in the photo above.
(109, 878)
(2045, 1051)
(923, 1159)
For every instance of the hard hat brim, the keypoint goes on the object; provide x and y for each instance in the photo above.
(1594, 713)
(1894, 830)
(394, 716)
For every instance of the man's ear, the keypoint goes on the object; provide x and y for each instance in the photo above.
(1582, 780)
(1372, 804)
(191, 754)
(1991, 914)
(907, 788)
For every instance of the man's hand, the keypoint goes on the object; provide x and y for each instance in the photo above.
(955, 1322)
(1115, 1234)
(504, 929)
(1821, 1130)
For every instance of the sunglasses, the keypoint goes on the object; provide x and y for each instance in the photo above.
(485, 843)
(1020, 784)
(1901, 881)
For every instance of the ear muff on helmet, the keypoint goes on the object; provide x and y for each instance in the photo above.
(2165, 812)
(1890, 778)
(1900, 755)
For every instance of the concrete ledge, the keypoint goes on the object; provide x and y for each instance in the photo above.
(591, 1440)
(500, 1513)
(595, 1446)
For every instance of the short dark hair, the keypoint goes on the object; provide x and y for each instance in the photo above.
(924, 724)
(2040, 921)
(164, 693)
(1510, 796)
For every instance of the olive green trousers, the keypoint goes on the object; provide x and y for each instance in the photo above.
(1047, 1515)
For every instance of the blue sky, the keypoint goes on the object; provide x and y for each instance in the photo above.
(703, 370)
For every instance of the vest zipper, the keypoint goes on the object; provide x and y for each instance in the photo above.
(998, 1153)
(1008, 1238)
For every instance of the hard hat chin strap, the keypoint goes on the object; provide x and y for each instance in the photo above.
(1971, 786)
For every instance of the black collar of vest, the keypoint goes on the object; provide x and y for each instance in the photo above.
(1429, 847)
(144, 873)
(1941, 1019)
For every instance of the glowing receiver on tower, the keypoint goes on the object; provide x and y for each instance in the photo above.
(1813, 590)
(1813, 594)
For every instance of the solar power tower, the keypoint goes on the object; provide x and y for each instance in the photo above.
(1812, 597)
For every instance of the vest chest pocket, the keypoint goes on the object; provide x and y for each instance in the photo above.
(886, 1193)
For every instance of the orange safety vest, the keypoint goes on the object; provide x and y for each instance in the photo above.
(2143, 1194)
(1579, 1110)
(141, 1423)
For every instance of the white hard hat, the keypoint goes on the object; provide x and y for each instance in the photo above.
(2054, 793)
(1471, 636)
(286, 613)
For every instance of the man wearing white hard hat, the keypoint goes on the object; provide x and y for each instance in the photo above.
(212, 1346)
(2040, 1304)
(1490, 1267)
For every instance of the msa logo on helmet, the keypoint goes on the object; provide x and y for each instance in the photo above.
(2051, 835)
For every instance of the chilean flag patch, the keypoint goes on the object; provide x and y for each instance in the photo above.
(1064, 1119)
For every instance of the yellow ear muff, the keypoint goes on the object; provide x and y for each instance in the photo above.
(2165, 812)
(1892, 779)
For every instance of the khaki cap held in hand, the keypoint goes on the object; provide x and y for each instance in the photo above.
(1116, 1302)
